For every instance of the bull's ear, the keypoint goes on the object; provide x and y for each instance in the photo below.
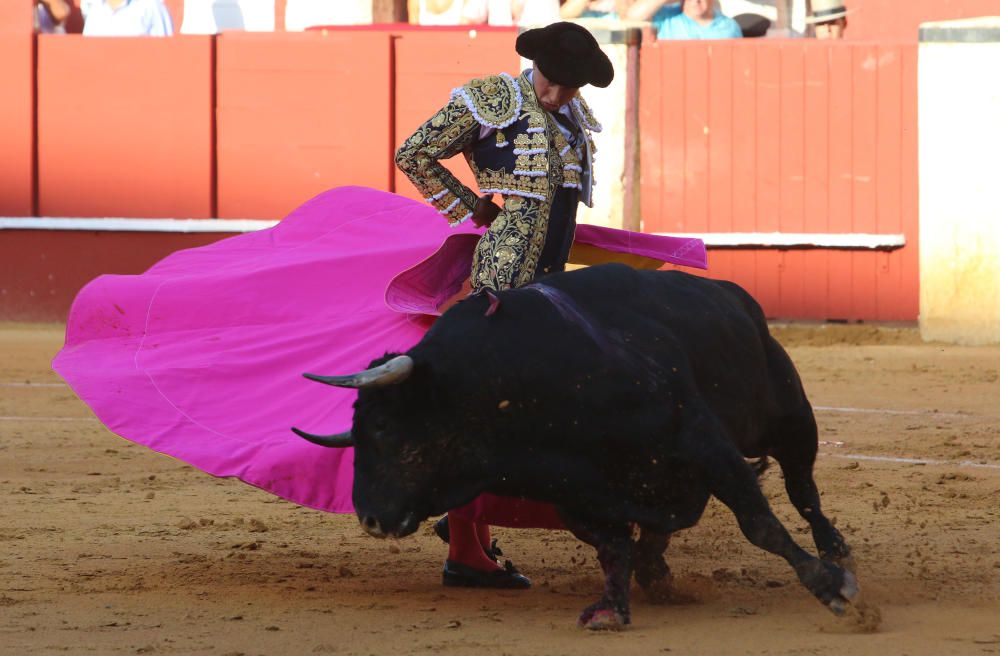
(338, 441)
(392, 372)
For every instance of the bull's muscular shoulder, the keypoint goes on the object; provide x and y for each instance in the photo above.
(494, 101)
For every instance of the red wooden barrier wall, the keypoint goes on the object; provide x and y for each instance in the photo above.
(896, 20)
(429, 64)
(125, 126)
(299, 114)
(17, 98)
(789, 136)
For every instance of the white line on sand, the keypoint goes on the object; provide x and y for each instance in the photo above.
(32, 384)
(883, 411)
(913, 461)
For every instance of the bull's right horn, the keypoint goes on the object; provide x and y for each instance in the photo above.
(338, 441)
(394, 371)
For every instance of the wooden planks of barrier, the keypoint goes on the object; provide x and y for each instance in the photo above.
(792, 137)
(125, 126)
(17, 129)
(299, 114)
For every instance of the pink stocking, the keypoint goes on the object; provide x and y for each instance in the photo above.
(465, 544)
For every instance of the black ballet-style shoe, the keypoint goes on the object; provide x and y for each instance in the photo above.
(441, 529)
(494, 553)
(457, 575)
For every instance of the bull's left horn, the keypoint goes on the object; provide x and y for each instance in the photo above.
(392, 372)
(338, 441)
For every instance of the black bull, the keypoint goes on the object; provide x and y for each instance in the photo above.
(622, 397)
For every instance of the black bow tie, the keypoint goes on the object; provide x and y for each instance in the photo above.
(568, 123)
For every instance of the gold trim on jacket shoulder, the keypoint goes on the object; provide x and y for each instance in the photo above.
(494, 101)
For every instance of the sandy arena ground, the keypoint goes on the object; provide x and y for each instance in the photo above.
(109, 548)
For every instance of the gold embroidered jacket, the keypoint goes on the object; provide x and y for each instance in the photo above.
(515, 149)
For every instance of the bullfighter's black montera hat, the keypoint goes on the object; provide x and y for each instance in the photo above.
(567, 54)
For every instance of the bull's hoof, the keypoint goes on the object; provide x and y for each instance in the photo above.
(835, 587)
(848, 592)
(602, 616)
(604, 620)
(855, 613)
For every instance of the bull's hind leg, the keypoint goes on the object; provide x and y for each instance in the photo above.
(734, 483)
(651, 570)
(794, 446)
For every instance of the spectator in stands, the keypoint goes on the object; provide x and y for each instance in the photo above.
(787, 17)
(436, 12)
(828, 18)
(51, 15)
(502, 13)
(536, 13)
(689, 19)
(483, 12)
(608, 9)
(752, 25)
(126, 18)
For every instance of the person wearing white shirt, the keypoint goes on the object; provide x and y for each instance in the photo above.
(126, 18)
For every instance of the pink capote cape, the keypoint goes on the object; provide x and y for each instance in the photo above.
(201, 357)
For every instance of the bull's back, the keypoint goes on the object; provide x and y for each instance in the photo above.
(698, 312)
(661, 339)
(711, 330)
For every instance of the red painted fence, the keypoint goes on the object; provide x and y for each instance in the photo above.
(899, 20)
(299, 114)
(125, 126)
(758, 136)
(792, 136)
(17, 108)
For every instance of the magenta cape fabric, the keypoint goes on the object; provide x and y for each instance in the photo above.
(201, 357)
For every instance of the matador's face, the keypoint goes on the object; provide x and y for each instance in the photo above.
(551, 96)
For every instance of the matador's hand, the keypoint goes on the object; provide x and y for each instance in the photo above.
(485, 210)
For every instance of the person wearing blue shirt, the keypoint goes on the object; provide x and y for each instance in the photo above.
(50, 16)
(606, 9)
(689, 19)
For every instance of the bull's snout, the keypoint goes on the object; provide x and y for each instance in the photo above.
(372, 526)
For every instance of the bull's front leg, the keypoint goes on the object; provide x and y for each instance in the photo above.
(614, 552)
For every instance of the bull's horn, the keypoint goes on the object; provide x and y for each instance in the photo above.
(338, 441)
(392, 372)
